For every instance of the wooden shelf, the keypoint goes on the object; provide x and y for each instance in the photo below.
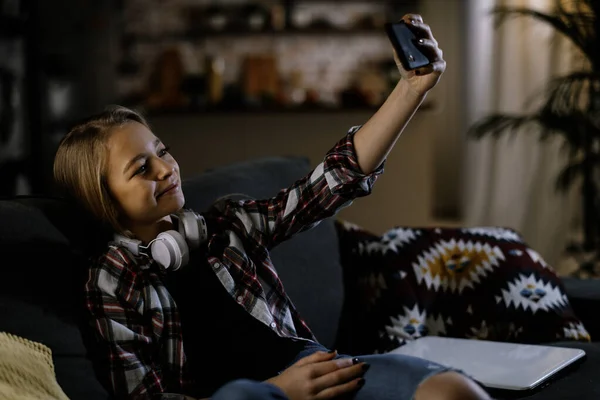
(384, 2)
(272, 110)
(198, 35)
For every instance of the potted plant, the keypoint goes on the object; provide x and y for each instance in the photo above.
(571, 106)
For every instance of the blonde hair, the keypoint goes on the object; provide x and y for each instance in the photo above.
(80, 164)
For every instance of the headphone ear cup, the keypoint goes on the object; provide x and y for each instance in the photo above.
(190, 222)
(170, 250)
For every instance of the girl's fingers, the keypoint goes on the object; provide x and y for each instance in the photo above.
(423, 31)
(431, 44)
(426, 41)
(340, 390)
(438, 66)
(430, 49)
(410, 18)
(324, 368)
(339, 376)
(316, 357)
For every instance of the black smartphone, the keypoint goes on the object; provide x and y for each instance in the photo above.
(404, 42)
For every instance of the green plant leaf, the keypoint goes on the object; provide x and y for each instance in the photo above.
(497, 124)
(565, 93)
(565, 23)
(571, 107)
(568, 126)
(574, 170)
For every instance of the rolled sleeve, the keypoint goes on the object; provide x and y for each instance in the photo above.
(343, 173)
(331, 186)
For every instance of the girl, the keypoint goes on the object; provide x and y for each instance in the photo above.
(243, 337)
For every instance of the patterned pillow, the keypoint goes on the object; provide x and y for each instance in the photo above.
(480, 283)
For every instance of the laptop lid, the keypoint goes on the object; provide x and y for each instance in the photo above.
(496, 365)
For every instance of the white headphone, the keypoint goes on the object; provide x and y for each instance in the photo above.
(171, 249)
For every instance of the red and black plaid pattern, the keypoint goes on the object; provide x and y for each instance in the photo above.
(136, 319)
(480, 283)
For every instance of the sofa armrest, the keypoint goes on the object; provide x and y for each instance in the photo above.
(584, 295)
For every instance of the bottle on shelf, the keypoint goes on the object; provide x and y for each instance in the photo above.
(215, 68)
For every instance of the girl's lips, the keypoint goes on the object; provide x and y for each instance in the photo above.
(171, 189)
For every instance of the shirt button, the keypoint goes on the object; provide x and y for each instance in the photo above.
(273, 325)
(240, 299)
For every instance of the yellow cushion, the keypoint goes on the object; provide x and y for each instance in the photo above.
(27, 370)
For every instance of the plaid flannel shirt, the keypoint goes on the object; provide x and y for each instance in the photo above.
(135, 318)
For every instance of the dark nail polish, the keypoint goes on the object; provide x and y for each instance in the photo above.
(366, 367)
(355, 360)
(361, 382)
(331, 351)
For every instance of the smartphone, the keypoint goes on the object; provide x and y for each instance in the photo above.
(404, 42)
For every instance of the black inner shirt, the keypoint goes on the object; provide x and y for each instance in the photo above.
(222, 342)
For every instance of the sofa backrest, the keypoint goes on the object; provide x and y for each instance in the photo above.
(45, 242)
(43, 248)
(308, 264)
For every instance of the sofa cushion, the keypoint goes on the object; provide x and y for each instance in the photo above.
(480, 283)
(584, 295)
(308, 264)
(77, 378)
(43, 243)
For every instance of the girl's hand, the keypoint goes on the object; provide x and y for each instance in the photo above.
(319, 376)
(421, 80)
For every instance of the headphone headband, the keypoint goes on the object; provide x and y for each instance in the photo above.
(170, 249)
(133, 245)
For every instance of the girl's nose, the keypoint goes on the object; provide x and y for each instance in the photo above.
(165, 169)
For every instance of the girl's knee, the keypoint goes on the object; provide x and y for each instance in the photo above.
(244, 389)
(450, 386)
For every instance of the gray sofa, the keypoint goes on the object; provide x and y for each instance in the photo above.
(45, 242)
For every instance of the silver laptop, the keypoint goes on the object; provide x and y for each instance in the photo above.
(496, 365)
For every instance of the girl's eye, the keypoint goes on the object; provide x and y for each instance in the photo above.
(141, 169)
(163, 152)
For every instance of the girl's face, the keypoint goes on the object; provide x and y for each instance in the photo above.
(143, 178)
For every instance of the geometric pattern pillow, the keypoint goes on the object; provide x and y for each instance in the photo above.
(478, 283)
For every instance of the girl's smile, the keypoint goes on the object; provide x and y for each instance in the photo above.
(144, 180)
(173, 188)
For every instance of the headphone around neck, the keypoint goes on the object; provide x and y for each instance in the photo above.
(171, 249)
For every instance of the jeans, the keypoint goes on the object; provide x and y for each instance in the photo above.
(390, 376)
(244, 389)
